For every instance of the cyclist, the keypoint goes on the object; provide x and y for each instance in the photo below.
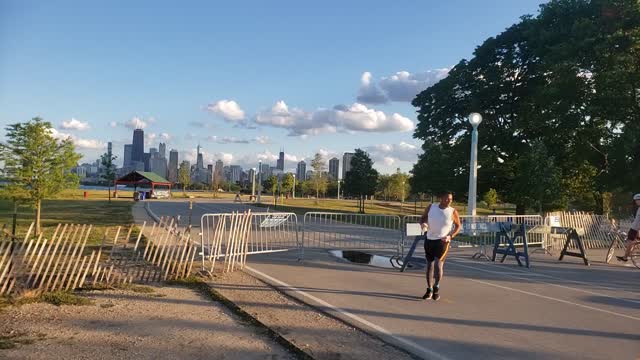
(632, 236)
(442, 223)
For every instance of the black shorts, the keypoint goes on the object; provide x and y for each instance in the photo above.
(435, 249)
(632, 235)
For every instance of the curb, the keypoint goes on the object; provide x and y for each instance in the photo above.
(155, 217)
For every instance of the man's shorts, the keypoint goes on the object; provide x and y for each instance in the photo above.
(435, 249)
(632, 235)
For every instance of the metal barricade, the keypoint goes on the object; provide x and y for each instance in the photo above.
(475, 233)
(270, 232)
(596, 231)
(352, 231)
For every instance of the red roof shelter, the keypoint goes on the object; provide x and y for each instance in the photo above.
(136, 178)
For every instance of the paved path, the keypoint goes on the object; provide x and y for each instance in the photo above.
(555, 310)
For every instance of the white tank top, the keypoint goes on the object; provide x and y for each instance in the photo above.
(440, 222)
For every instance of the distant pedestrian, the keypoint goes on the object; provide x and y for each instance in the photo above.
(441, 223)
(633, 236)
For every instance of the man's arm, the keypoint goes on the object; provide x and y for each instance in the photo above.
(456, 227)
(424, 220)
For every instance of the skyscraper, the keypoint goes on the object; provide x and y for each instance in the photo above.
(173, 165)
(346, 164)
(266, 171)
(235, 170)
(126, 163)
(218, 173)
(301, 171)
(110, 148)
(210, 174)
(280, 164)
(163, 150)
(334, 165)
(200, 161)
(137, 151)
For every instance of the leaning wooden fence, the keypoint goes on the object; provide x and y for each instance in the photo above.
(63, 261)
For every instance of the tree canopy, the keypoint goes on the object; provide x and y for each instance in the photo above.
(562, 88)
(362, 179)
(36, 164)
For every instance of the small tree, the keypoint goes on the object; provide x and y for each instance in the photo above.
(37, 165)
(319, 183)
(108, 169)
(271, 184)
(491, 197)
(184, 176)
(361, 180)
(287, 183)
(399, 185)
(217, 181)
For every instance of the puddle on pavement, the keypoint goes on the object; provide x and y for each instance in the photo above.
(359, 257)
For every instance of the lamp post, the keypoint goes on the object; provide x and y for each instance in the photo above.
(294, 186)
(402, 200)
(474, 119)
(338, 189)
(259, 179)
(253, 184)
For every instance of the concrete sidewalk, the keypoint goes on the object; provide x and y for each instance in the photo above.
(487, 310)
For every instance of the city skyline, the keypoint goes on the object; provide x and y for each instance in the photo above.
(240, 107)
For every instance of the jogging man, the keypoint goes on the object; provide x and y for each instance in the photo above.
(441, 223)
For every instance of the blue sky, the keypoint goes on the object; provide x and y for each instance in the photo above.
(243, 78)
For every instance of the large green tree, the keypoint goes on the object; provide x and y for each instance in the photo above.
(565, 82)
(362, 179)
(36, 164)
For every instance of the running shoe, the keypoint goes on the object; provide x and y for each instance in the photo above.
(427, 295)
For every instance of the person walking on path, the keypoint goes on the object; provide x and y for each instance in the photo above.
(441, 223)
(632, 235)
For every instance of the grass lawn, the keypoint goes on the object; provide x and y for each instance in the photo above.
(99, 213)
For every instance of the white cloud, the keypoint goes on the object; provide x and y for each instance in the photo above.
(80, 143)
(356, 117)
(370, 93)
(228, 109)
(392, 154)
(262, 139)
(151, 136)
(135, 123)
(232, 140)
(401, 86)
(165, 136)
(75, 124)
(360, 118)
(113, 124)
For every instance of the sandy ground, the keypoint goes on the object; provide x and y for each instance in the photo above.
(319, 335)
(172, 323)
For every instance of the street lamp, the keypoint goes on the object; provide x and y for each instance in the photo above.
(253, 184)
(474, 119)
(259, 179)
(294, 186)
(402, 200)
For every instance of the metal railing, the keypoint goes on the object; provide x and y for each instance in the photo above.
(352, 231)
(472, 234)
(270, 232)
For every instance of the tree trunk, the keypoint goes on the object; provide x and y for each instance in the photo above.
(109, 191)
(520, 209)
(38, 208)
(364, 198)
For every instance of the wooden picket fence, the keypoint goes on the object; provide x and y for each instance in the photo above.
(63, 261)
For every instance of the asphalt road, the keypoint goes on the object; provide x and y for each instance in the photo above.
(554, 310)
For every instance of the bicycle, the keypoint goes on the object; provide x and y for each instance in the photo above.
(618, 239)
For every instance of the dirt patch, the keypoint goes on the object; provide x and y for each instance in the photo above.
(321, 336)
(170, 323)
